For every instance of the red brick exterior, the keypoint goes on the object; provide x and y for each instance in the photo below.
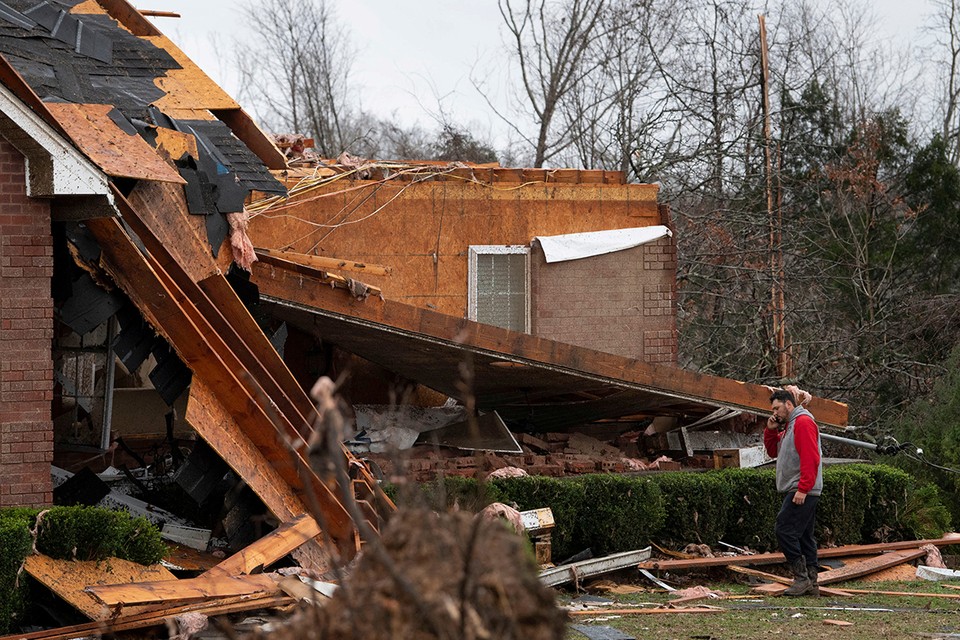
(26, 334)
(622, 303)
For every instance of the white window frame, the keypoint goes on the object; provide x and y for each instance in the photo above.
(499, 249)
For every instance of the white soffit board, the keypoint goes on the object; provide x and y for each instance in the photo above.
(573, 246)
(54, 166)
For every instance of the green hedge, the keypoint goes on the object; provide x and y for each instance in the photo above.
(82, 533)
(15, 544)
(609, 513)
(619, 513)
(848, 492)
(696, 507)
(754, 504)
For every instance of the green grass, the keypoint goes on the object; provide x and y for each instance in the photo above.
(873, 616)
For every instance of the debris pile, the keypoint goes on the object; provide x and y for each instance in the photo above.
(549, 454)
(437, 576)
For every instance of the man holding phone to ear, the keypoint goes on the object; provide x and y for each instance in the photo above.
(792, 437)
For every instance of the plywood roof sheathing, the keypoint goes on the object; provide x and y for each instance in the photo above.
(116, 152)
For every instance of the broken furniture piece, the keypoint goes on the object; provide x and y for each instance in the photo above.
(539, 525)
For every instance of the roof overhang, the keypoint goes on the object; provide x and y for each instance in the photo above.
(531, 381)
(54, 166)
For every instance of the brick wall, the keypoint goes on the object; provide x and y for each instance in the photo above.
(622, 303)
(26, 333)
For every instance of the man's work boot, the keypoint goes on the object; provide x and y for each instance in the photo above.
(801, 581)
(812, 572)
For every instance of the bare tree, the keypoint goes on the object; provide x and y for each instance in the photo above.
(945, 57)
(551, 43)
(297, 74)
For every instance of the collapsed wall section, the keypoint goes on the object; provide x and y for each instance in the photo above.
(26, 333)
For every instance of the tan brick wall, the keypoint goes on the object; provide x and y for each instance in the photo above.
(622, 303)
(26, 333)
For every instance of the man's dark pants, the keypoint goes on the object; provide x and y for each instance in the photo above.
(794, 529)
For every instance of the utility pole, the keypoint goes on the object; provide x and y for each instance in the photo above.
(776, 220)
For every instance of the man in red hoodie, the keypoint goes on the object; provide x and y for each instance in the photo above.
(792, 437)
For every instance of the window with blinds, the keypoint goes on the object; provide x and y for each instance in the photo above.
(498, 291)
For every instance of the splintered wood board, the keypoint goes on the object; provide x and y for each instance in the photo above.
(69, 578)
(869, 566)
(204, 587)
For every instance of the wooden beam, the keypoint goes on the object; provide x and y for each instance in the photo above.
(170, 312)
(320, 276)
(269, 548)
(215, 424)
(158, 215)
(947, 596)
(323, 262)
(127, 15)
(153, 13)
(774, 558)
(206, 586)
(618, 370)
(244, 127)
(871, 565)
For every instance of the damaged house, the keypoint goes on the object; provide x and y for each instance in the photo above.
(126, 169)
(558, 287)
(133, 187)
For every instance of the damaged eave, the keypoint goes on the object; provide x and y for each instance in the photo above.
(534, 377)
(54, 166)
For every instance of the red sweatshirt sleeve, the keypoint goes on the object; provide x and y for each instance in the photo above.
(805, 439)
(771, 441)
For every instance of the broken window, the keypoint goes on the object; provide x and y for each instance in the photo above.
(499, 284)
(83, 369)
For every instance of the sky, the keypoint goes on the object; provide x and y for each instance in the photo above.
(411, 53)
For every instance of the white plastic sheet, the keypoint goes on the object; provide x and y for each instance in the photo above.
(573, 246)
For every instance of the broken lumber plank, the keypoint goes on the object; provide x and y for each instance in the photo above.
(270, 547)
(872, 565)
(67, 579)
(780, 580)
(323, 263)
(775, 558)
(593, 567)
(155, 617)
(206, 586)
(319, 275)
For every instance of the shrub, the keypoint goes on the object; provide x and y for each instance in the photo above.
(847, 493)
(697, 507)
(925, 515)
(15, 544)
(565, 497)
(141, 542)
(754, 505)
(619, 513)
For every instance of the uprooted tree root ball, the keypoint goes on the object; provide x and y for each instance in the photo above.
(452, 577)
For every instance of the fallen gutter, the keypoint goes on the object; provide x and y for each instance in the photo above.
(593, 567)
